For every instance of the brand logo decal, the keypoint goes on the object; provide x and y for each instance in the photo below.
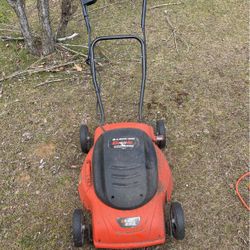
(123, 143)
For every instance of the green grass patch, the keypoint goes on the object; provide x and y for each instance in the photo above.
(5, 12)
(26, 241)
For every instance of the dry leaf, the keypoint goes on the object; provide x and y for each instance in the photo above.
(78, 67)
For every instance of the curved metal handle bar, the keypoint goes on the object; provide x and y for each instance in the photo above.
(93, 70)
(91, 60)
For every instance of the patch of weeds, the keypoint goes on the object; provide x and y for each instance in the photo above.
(64, 181)
(26, 241)
(14, 57)
(22, 56)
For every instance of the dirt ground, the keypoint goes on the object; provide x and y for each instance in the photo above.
(198, 83)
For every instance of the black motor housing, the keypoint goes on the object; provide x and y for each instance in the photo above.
(125, 168)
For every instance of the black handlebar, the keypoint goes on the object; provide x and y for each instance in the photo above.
(88, 2)
(91, 55)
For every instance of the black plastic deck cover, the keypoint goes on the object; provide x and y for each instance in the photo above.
(125, 168)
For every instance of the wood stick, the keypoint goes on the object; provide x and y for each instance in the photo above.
(74, 45)
(173, 29)
(11, 38)
(175, 34)
(62, 39)
(76, 53)
(50, 81)
(13, 27)
(37, 70)
(165, 5)
(30, 66)
(11, 30)
(71, 50)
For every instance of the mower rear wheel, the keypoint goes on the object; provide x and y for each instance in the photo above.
(167, 220)
(161, 134)
(78, 228)
(89, 234)
(177, 221)
(85, 139)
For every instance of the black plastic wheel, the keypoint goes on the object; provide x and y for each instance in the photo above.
(177, 221)
(89, 233)
(77, 225)
(161, 132)
(85, 139)
(167, 220)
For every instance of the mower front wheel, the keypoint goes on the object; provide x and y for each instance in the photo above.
(78, 228)
(177, 221)
(168, 220)
(85, 139)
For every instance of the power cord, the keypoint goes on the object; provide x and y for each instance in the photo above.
(238, 192)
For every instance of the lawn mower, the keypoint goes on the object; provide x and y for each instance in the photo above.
(125, 182)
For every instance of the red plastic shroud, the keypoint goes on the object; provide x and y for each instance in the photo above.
(107, 233)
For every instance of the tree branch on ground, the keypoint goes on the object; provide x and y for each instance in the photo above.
(11, 38)
(71, 50)
(174, 34)
(30, 71)
(165, 5)
(61, 39)
(51, 81)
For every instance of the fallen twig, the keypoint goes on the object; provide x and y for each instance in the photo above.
(173, 29)
(71, 50)
(62, 39)
(8, 77)
(74, 45)
(11, 30)
(175, 34)
(36, 62)
(11, 38)
(165, 5)
(37, 70)
(9, 25)
(50, 81)
(76, 52)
